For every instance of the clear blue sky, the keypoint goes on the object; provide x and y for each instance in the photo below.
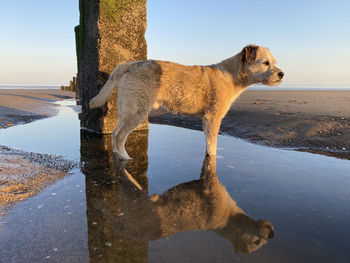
(310, 38)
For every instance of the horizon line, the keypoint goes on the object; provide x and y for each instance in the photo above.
(254, 85)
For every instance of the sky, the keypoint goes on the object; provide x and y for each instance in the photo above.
(311, 39)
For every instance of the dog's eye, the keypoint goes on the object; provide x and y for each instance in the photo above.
(267, 63)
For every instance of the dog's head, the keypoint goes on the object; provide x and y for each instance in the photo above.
(246, 234)
(253, 236)
(259, 65)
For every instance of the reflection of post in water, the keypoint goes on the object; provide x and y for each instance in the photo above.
(105, 245)
(202, 204)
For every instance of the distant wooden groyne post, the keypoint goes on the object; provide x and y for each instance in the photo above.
(110, 32)
(73, 84)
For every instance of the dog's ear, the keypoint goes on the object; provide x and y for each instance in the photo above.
(249, 54)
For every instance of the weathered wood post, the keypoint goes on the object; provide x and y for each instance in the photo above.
(110, 32)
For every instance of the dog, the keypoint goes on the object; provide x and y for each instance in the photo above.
(202, 204)
(206, 92)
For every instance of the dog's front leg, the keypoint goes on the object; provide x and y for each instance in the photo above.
(211, 126)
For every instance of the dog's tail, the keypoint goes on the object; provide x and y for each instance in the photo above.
(109, 86)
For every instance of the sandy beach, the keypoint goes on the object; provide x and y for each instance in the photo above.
(18, 106)
(317, 121)
(24, 174)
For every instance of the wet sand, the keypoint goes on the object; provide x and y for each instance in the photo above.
(24, 174)
(317, 121)
(18, 106)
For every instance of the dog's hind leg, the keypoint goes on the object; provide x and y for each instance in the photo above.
(127, 124)
(132, 110)
(117, 145)
(135, 99)
(211, 126)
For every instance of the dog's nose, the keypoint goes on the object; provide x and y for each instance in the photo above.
(280, 74)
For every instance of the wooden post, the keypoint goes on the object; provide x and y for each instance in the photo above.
(110, 32)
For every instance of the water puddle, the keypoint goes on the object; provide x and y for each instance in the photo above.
(171, 204)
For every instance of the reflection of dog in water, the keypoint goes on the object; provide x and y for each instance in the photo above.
(200, 91)
(202, 204)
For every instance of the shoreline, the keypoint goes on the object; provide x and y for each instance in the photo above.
(20, 106)
(312, 121)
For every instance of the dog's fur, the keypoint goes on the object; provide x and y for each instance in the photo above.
(206, 92)
(202, 204)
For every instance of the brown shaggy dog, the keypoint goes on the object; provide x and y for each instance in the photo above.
(206, 92)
